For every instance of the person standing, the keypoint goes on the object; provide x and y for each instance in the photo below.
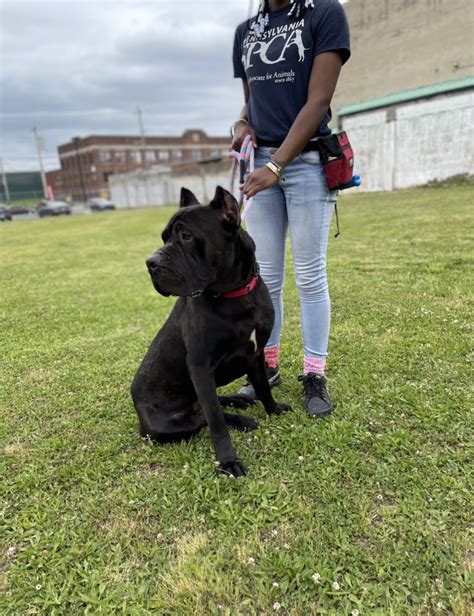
(289, 58)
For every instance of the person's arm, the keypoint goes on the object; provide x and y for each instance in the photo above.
(324, 76)
(323, 80)
(242, 128)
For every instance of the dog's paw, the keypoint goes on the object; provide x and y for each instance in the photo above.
(281, 408)
(249, 424)
(238, 401)
(234, 468)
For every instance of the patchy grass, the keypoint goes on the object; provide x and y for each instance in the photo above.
(368, 510)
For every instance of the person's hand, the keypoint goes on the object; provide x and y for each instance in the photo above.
(260, 179)
(241, 130)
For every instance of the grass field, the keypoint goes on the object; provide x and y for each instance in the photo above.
(366, 512)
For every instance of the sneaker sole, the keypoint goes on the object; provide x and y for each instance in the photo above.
(320, 415)
(273, 382)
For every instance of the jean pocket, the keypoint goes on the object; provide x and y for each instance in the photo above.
(312, 157)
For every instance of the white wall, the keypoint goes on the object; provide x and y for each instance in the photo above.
(424, 141)
(161, 187)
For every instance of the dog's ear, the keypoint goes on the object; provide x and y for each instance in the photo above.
(187, 198)
(228, 206)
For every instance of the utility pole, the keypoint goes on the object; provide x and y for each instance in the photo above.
(39, 148)
(4, 182)
(142, 137)
(79, 166)
(144, 159)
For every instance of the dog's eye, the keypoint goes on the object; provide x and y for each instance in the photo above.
(186, 237)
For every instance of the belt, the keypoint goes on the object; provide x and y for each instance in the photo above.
(311, 146)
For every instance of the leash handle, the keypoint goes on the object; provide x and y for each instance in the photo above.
(244, 160)
(243, 169)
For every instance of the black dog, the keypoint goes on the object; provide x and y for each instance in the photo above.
(215, 334)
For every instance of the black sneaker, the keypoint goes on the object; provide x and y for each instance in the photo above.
(316, 397)
(274, 379)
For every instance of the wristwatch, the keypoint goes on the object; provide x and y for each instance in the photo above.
(275, 168)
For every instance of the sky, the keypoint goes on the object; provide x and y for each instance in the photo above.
(81, 67)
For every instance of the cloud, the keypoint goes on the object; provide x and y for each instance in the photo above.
(78, 67)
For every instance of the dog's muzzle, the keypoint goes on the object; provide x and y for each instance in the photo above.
(153, 263)
(166, 280)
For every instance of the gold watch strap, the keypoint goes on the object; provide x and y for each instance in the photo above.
(275, 168)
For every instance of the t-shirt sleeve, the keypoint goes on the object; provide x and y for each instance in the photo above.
(331, 31)
(239, 71)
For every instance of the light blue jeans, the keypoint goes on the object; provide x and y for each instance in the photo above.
(302, 202)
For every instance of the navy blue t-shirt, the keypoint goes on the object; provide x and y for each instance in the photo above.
(278, 66)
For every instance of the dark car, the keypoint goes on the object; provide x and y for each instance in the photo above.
(21, 209)
(4, 213)
(53, 208)
(99, 205)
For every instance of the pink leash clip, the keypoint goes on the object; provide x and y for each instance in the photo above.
(245, 159)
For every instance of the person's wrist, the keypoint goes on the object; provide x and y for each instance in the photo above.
(278, 159)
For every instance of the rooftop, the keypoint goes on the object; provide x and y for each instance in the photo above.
(408, 95)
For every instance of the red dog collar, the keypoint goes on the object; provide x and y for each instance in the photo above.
(244, 290)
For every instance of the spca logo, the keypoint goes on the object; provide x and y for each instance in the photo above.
(263, 49)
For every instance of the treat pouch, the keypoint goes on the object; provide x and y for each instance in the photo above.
(337, 158)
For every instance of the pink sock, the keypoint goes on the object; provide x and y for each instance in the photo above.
(272, 355)
(314, 364)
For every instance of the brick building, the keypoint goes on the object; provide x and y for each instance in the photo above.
(87, 163)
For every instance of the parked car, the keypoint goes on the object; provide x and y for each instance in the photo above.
(99, 205)
(4, 213)
(53, 208)
(21, 209)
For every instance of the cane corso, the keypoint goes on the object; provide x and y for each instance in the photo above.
(215, 334)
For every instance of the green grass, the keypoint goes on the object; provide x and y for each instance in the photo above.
(375, 500)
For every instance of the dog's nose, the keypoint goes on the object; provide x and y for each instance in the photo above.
(152, 263)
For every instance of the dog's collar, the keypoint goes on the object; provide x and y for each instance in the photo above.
(249, 287)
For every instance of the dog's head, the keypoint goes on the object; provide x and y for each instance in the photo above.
(199, 245)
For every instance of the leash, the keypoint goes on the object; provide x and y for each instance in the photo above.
(243, 161)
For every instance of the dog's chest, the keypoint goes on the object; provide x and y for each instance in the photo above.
(244, 343)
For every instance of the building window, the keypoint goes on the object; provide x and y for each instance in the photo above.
(197, 155)
(121, 156)
(136, 157)
(104, 156)
(178, 154)
(196, 137)
(150, 156)
(164, 155)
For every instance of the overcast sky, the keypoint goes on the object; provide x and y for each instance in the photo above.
(81, 67)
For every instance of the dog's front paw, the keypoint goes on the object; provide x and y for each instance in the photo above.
(233, 468)
(281, 408)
